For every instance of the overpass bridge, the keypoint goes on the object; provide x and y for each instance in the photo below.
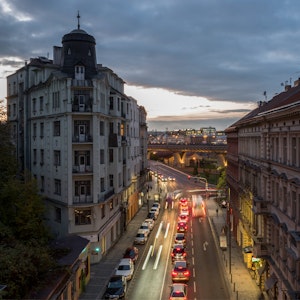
(181, 154)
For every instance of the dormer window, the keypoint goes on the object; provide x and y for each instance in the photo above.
(89, 53)
(69, 51)
(79, 72)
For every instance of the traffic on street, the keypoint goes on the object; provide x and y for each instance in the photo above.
(177, 254)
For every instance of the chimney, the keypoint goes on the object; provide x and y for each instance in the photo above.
(287, 87)
(297, 82)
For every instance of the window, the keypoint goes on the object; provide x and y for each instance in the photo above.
(102, 156)
(79, 72)
(294, 151)
(56, 158)
(118, 104)
(34, 131)
(111, 103)
(57, 187)
(284, 150)
(83, 216)
(58, 214)
(33, 105)
(55, 99)
(56, 128)
(111, 155)
(111, 128)
(111, 180)
(83, 188)
(101, 128)
(111, 205)
(41, 130)
(41, 103)
(34, 156)
(102, 211)
(14, 109)
(42, 157)
(102, 185)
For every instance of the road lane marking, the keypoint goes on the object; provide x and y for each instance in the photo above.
(156, 237)
(205, 244)
(159, 229)
(157, 257)
(147, 258)
(167, 230)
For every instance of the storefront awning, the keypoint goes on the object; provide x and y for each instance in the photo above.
(270, 282)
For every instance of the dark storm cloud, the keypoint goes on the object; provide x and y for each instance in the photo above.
(222, 50)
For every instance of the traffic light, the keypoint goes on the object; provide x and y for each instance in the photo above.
(189, 177)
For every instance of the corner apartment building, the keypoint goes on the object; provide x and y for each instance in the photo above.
(83, 140)
(263, 177)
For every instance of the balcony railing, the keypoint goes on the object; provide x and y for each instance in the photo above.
(260, 206)
(103, 197)
(260, 247)
(82, 169)
(82, 138)
(82, 199)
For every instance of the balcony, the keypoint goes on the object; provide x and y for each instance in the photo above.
(85, 107)
(82, 199)
(82, 169)
(82, 83)
(124, 140)
(103, 197)
(260, 248)
(114, 140)
(86, 138)
(260, 206)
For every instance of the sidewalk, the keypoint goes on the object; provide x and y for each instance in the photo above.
(242, 285)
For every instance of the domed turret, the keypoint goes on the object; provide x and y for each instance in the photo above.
(79, 50)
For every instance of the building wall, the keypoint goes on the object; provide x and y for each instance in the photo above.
(81, 139)
(264, 175)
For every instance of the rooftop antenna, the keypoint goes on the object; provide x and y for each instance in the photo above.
(78, 17)
(265, 94)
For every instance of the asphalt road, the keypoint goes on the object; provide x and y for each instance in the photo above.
(152, 277)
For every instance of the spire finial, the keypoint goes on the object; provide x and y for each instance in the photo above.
(78, 17)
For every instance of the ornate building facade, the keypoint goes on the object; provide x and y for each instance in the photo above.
(263, 177)
(83, 140)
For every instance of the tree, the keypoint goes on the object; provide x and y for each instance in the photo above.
(24, 238)
(222, 180)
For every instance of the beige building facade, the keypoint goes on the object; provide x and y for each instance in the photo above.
(263, 177)
(83, 140)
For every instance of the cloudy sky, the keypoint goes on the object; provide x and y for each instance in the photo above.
(190, 63)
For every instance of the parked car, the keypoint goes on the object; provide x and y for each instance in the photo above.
(131, 252)
(150, 223)
(180, 271)
(145, 228)
(156, 204)
(154, 210)
(125, 268)
(178, 252)
(141, 237)
(116, 287)
(179, 291)
(151, 215)
(180, 238)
